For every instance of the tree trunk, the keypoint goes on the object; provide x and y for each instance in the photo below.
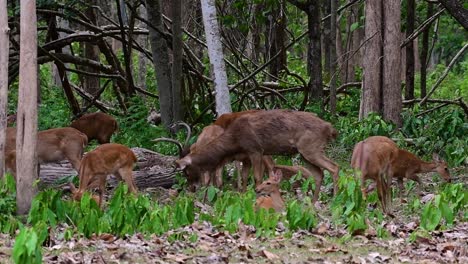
(4, 51)
(332, 48)
(126, 44)
(326, 40)
(276, 32)
(215, 53)
(91, 51)
(159, 49)
(424, 51)
(26, 139)
(458, 10)
(372, 61)
(392, 103)
(409, 76)
(314, 58)
(177, 51)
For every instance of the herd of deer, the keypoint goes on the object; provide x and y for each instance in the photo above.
(249, 138)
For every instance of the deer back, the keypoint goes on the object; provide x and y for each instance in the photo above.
(55, 144)
(97, 125)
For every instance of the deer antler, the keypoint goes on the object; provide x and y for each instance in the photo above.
(163, 139)
(187, 127)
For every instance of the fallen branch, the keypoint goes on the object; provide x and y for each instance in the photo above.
(459, 101)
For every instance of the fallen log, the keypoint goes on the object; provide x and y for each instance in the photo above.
(152, 170)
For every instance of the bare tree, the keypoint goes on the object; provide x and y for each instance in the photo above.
(215, 52)
(26, 139)
(332, 48)
(91, 51)
(370, 94)
(391, 89)
(177, 60)
(314, 54)
(4, 52)
(424, 58)
(159, 49)
(409, 76)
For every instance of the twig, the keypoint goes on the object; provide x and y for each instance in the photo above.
(421, 28)
(458, 55)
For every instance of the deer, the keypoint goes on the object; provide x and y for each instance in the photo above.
(272, 132)
(110, 158)
(99, 126)
(268, 194)
(374, 157)
(407, 165)
(11, 119)
(52, 145)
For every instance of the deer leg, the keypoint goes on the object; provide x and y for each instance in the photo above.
(239, 167)
(127, 175)
(256, 159)
(363, 186)
(219, 177)
(318, 176)
(269, 164)
(318, 159)
(246, 165)
(401, 187)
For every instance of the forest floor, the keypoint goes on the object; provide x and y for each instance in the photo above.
(203, 243)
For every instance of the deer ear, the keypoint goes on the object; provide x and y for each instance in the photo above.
(277, 175)
(436, 157)
(183, 163)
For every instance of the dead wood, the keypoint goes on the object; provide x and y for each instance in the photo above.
(152, 170)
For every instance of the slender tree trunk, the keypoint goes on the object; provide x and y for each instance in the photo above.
(159, 49)
(409, 76)
(332, 48)
(372, 61)
(326, 39)
(392, 64)
(177, 51)
(126, 45)
(215, 52)
(4, 51)
(314, 58)
(26, 139)
(91, 51)
(276, 31)
(424, 52)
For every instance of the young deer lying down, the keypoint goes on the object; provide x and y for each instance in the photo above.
(52, 145)
(268, 194)
(407, 165)
(273, 132)
(106, 159)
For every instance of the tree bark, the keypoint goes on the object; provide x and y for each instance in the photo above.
(126, 45)
(276, 32)
(177, 60)
(409, 76)
(215, 53)
(314, 57)
(159, 49)
(26, 139)
(332, 48)
(91, 51)
(4, 51)
(424, 52)
(372, 61)
(392, 62)
(457, 10)
(326, 40)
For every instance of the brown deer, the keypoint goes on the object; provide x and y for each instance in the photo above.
(281, 132)
(374, 157)
(97, 125)
(52, 145)
(106, 159)
(268, 194)
(407, 165)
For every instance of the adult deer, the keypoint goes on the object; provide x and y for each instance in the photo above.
(52, 145)
(106, 159)
(268, 194)
(407, 165)
(97, 125)
(273, 132)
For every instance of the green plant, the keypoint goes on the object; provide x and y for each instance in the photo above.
(301, 215)
(27, 247)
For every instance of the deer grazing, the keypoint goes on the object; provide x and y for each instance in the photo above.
(374, 157)
(52, 145)
(99, 126)
(273, 132)
(106, 159)
(268, 194)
